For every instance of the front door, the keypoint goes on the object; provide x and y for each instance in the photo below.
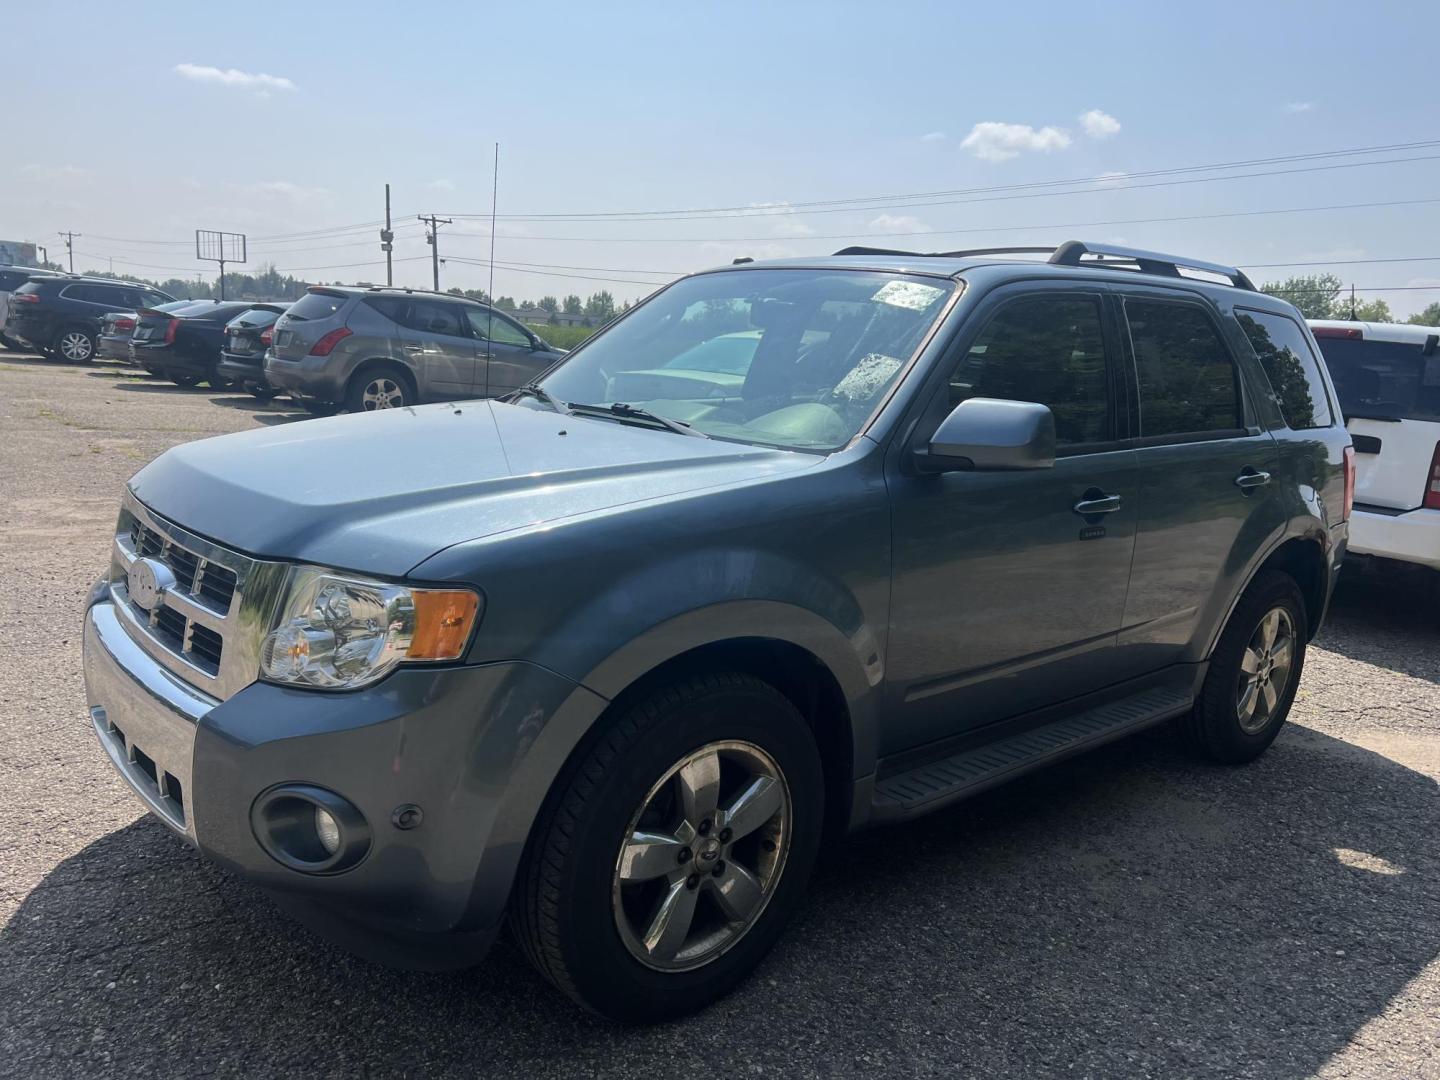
(512, 359)
(1009, 587)
(438, 343)
(1209, 477)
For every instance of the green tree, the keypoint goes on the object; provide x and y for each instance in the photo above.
(573, 305)
(1313, 294)
(550, 304)
(1429, 317)
(601, 305)
(1365, 310)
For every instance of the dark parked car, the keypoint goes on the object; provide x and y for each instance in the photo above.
(116, 328)
(184, 344)
(11, 278)
(247, 337)
(382, 348)
(617, 653)
(61, 316)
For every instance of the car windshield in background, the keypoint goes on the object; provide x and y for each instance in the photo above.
(791, 358)
(1384, 380)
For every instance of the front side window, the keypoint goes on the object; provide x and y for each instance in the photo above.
(1046, 349)
(797, 358)
(1188, 381)
(497, 328)
(1294, 373)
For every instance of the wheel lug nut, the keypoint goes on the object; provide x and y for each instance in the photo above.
(704, 828)
(719, 868)
(692, 881)
(725, 835)
(767, 844)
(685, 855)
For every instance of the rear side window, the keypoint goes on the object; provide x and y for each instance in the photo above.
(1188, 381)
(434, 317)
(314, 305)
(1293, 370)
(1046, 349)
(392, 307)
(96, 294)
(1384, 380)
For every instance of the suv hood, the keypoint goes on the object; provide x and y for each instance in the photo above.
(381, 492)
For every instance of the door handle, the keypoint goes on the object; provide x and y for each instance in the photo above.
(1096, 502)
(1251, 478)
(486, 355)
(415, 348)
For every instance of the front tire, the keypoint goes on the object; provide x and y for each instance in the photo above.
(74, 345)
(1253, 675)
(671, 855)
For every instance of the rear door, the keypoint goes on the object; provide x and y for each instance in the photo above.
(437, 340)
(1390, 396)
(509, 352)
(1208, 474)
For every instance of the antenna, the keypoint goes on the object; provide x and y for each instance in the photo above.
(490, 319)
(1352, 302)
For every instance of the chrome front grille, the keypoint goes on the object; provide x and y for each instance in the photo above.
(207, 625)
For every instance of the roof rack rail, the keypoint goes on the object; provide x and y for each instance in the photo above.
(1071, 252)
(1150, 262)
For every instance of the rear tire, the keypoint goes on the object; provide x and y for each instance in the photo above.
(186, 379)
(263, 393)
(318, 408)
(1254, 672)
(601, 922)
(74, 345)
(12, 344)
(385, 386)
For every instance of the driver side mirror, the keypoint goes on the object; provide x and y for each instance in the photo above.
(991, 435)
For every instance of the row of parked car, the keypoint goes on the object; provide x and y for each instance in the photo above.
(360, 348)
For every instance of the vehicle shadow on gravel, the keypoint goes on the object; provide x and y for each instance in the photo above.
(1126, 913)
(1391, 620)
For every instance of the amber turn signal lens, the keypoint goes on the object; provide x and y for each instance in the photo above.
(443, 621)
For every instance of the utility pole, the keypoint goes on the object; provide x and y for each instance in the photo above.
(387, 242)
(433, 239)
(44, 255)
(70, 247)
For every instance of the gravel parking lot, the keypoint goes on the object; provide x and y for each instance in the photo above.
(1129, 913)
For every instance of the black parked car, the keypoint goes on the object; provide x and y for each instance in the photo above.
(62, 316)
(242, 357)
(11, 278)
(116, 328)
(184, 345)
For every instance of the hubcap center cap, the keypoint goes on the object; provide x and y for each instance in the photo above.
(708, 850)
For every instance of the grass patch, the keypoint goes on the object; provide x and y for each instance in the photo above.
(564, 337)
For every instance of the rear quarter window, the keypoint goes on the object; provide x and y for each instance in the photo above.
(1291, 366)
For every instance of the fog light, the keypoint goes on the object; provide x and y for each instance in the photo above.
(328, 830)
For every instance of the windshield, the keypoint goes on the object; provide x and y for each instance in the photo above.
(1391, 380)
(790, 358)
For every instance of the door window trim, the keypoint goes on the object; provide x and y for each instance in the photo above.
(1181, 438)
(978, 320)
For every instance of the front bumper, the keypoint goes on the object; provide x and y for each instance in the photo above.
(458, 742)
(1413, 536)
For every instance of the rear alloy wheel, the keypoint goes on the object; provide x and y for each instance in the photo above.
(671, 854)
(379, 388)
(1254, 672)
(75, 346)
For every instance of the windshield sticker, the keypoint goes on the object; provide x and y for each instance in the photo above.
(910, 295)
(867, 377)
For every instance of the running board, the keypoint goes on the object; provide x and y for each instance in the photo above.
(926, 787)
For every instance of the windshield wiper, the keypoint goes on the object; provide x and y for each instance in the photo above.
(631, 412)
(541, 394)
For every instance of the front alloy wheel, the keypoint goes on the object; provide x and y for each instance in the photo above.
(702, 856)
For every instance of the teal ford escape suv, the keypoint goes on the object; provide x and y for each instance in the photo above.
(614, 654)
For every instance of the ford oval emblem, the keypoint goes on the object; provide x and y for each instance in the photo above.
(148, 581)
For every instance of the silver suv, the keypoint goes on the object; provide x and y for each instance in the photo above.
(383, 348)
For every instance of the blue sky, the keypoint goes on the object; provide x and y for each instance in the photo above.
(145, 121)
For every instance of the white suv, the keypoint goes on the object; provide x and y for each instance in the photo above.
(1387, 376)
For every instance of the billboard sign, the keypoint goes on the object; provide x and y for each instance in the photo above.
(18, 253)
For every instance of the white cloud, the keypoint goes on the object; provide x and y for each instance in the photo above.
(787, 225)
(1099, 125)
(1114, 176)
(992, 140)
(898, 223)
(245, 80)
(441, 185)
(1299, 106)
(736, 249)
(286, 190)
(51, 174)
(933, 136)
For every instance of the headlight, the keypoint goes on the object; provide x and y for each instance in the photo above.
(341, 632)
